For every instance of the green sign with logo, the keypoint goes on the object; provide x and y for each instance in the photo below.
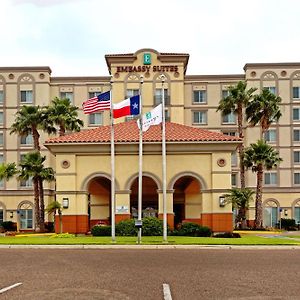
(147, 59)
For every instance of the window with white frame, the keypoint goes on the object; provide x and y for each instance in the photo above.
(200, 117)
(272, 89)
(297, 212)
(25, 183)
(270, 136)
(296, 135)
(296, 92)
(270, 178)
(67, 95)
(229, 118)
(296, 156)
(1, 117)
(27, 96)
(234, 179)
(233, 159)
(94, 94)
(96, 119)
(199, 97)
(26, 216)
(26, 140)
(158, 97)
(1, 97)
(225, 93)
(1, 139)
(296, 114)
(270, 214)
(132, 92)
(297, 178)
(230, 133)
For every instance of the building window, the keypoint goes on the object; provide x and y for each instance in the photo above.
(26, 216)
(297, 212)
(132, 92)
(26, 183)
(230, 133)
(158, 97)
(199, 97)
(1, 97)
(1, 117)
(67, 95)
(296, 92)
(96, 119)
(200, 117)
(270, 214)
(1, 215)
(1, 139)
(296, 135)
(26, 96)
(229, 118)
(234, 179)
(270, 136)
(296, 156)
(296, 178)
(233, 159)
(94, 94)
(272, 89)
(1, 181)
(296, 114)
(225, 93)
(27, 140)
(270, 178)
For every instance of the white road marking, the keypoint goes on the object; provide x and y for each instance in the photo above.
(10, 287)
(167, 292)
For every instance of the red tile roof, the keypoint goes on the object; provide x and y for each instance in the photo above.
(128, 132)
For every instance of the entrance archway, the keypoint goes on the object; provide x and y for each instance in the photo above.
(99, 204)
(187, 199)
(149, 197)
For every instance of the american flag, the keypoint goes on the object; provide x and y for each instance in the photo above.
(100, 102)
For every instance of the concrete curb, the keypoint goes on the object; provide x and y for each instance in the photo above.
(154, 247)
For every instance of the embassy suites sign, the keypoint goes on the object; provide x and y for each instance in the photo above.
(130, 69)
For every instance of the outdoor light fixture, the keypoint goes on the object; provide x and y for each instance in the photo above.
(285, 212)
(65, 203)
(221, 201)
(11, 214)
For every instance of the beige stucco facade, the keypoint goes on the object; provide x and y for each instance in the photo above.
(191, 100)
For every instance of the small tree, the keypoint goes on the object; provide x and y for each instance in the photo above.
(52, 208)
(240, 199)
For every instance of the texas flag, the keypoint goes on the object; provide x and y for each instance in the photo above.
(127, 107)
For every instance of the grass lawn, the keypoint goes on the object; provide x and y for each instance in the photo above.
(151, 240)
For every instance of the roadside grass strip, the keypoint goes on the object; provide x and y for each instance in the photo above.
(148, 240)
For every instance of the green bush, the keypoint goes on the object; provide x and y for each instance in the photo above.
(101, 230)
(288, 224)
(9, 226)
(152, 226)
(126, 228)
(193, 229)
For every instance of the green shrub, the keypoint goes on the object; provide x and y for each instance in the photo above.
(288, 224)
(193, 229)
(152, 226)
(227, 235)
(9, 226)
(101, 230)
(126, 228)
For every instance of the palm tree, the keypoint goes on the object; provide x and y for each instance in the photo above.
(52, 208)
(32, 167)
(264, 110)
(237, 99)
(258, 157)
(240, 199)
(29, 119)
(62, 113)
(7, 171)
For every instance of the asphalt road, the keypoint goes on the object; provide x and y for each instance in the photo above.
(140, 274)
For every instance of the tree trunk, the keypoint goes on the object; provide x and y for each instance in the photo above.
(62, 130)
(36, 205)
(241, 147)
(42, 205)
(36, 137)
(60, 221)
(242, 213)
(258, 200)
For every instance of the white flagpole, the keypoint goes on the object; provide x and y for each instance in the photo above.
(164, 164)
(140, 193)
(112, 158)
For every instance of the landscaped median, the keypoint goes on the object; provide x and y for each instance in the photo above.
(68, 239)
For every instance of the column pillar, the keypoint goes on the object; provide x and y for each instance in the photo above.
(170, 212)
(122, 205)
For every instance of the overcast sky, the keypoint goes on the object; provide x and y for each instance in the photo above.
(221, 36)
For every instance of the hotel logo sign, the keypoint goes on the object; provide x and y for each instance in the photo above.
(147, 59)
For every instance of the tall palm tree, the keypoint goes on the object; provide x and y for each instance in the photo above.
(32, 166)
(52, 208)
(258, 157)
(264, 109)
(7, 171)
(240, 199)
(65, 115)
(237, 99)
(29, 119)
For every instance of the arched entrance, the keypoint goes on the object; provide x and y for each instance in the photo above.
(25, 210)
(187, 200)
(99, 204)
(271, 213)
(149, 197)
